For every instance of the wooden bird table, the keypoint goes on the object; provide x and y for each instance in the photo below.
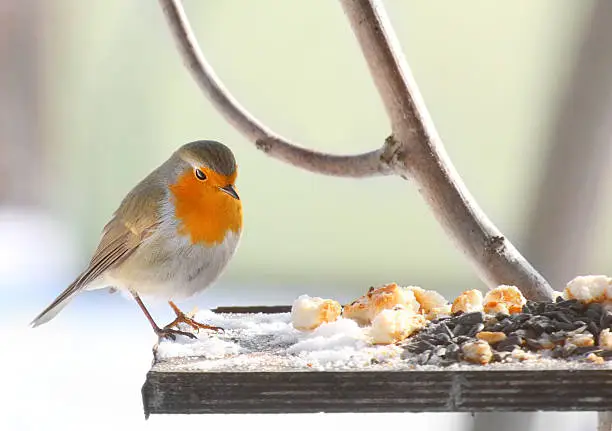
(185, 385)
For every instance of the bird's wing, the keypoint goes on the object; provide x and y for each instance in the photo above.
(134, 221)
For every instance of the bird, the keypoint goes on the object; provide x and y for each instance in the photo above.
(171, 237)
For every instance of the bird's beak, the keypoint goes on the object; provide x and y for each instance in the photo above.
(229, 189)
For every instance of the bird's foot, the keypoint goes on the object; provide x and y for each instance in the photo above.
(188, 320)
(167, 332)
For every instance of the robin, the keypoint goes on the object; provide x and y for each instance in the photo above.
(171, 237)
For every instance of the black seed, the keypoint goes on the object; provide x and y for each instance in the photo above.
(462, 339)
(558, 316)
(558, 336)
(497, 327)
(567, 303)
(577, 306)
(596, 306)
(451, 324)
(440, 351)
(593, 329)
(423, 358)
(549, 307)
(520, 317)
(475, 330)
(533, 344)
(606, 354)
(579, 324)
(521, 333)
(510, 326)
(443, 328)
(432, 339)
(470, 319)
(594, 311)
(502, 316)
(419, 346)
(593, 315)
(568, 350)
(606, 320)
(564, 326)
(440, 319)
(557, 352)
(537, 324)
(443, 338)
(460, 330)
(509, 343)
(500, 356)
(584, 350)
(452, 351)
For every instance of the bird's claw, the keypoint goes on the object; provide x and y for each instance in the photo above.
(171, 334)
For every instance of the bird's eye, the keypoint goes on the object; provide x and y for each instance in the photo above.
(200, 175)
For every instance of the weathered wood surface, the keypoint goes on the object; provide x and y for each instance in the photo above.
(377, 391)
(172, 387)
(254, 309)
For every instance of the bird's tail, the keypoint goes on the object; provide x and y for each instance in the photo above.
(56, 306)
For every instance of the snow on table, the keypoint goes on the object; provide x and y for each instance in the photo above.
(261, 342)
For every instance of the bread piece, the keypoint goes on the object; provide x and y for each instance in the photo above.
(589, 288)
(364, 309)
(396, 324)
(432, 304)
(477, 352)
(504, 299)
(308, 313)
(605, 339)
(468, 301)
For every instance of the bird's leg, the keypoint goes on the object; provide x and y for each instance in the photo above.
(183, 318)
(165, 332)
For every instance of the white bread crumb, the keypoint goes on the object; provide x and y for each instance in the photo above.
(367, 307)
(504, 299)
(582, 340)
(477, 352)
(391, 326)
(595, 359)
(432, 304)
(605, 339)
(308, 313)
(468, 301)
(589, 288)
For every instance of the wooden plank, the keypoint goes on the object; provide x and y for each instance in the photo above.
(268, 309)
(478, 390)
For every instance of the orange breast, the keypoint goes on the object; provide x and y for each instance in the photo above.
(205, 213)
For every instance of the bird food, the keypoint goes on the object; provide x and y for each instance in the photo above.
(500, 326)
(565, 329)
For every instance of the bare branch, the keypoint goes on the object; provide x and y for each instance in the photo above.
(414, 150)
(361, 165)
(425, 160)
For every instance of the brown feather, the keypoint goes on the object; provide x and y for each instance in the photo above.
(135, 219)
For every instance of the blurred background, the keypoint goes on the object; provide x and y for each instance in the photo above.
(93, 95)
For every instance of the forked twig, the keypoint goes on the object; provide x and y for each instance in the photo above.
(361, 165)
(414, 150)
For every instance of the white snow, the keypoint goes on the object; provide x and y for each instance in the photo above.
(270, 341)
